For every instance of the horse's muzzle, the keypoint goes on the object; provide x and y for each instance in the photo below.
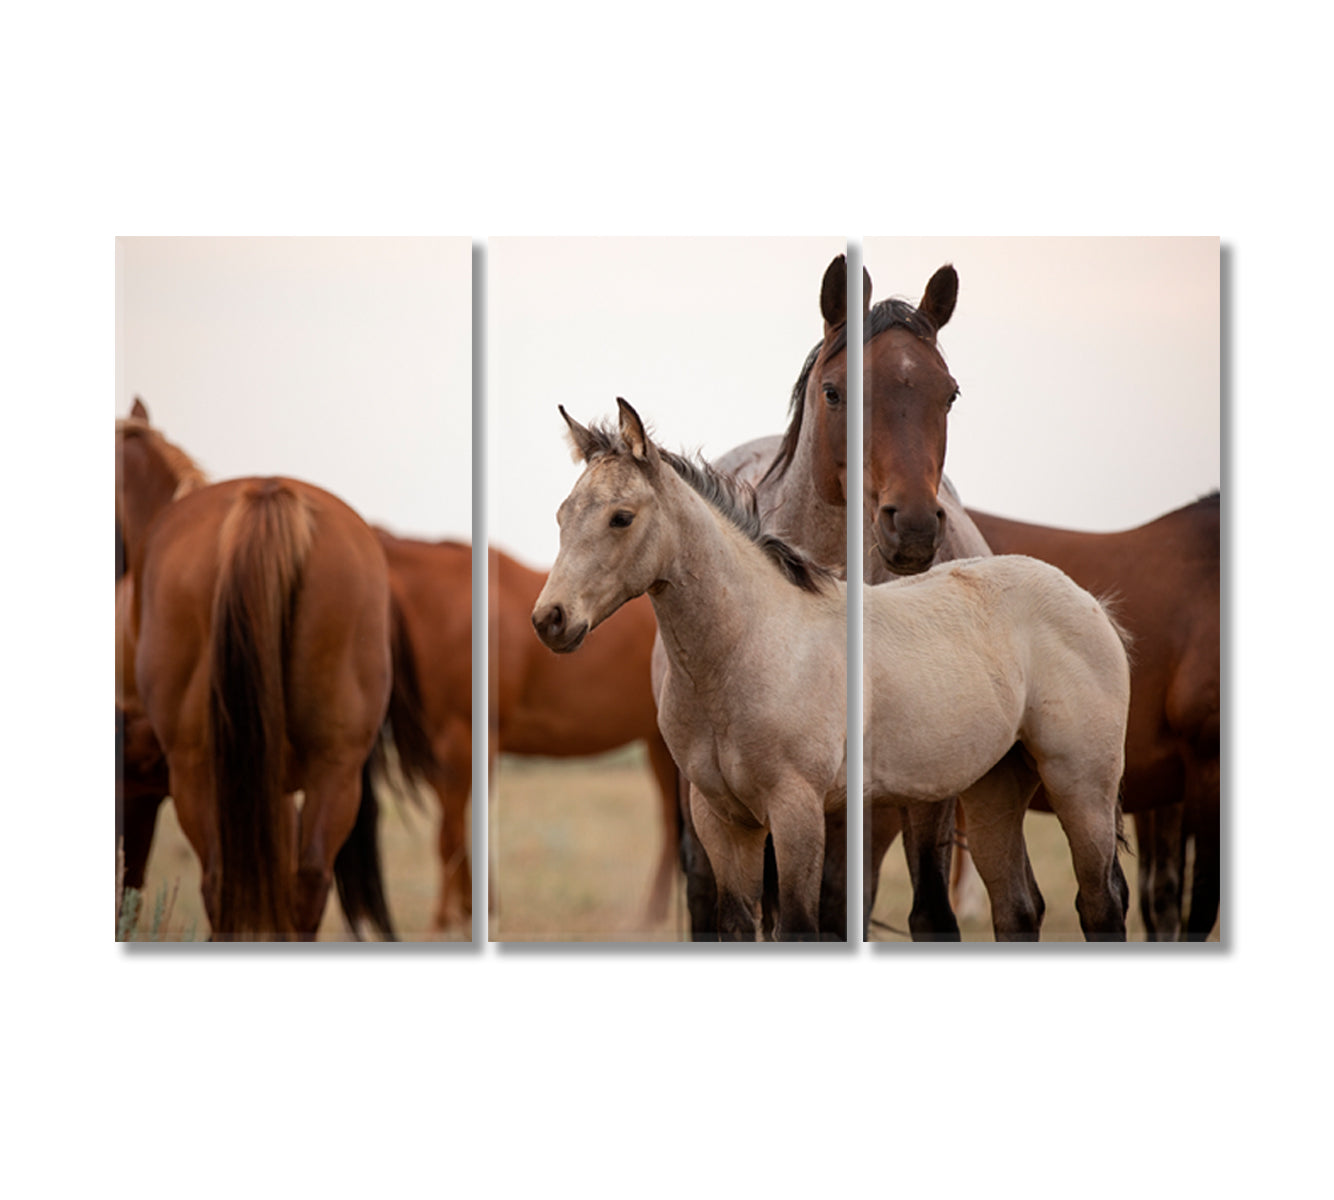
(555, 631)
(908, 542)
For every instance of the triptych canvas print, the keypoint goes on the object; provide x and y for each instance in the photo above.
(506, 589)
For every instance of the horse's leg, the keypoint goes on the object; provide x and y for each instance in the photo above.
(664, 773)
(881, 824)
(138, 820)
(191, 778)
(1084, 797)
(928, 843)
(1160, 844)
(797, 822)
(736, 854)
(834, 881)
(995, 806)
(1203, 817)
(450, 782)
(701, 887)
(333, 795)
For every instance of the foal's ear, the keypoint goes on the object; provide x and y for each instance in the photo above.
(581, 441)
(138, 412)
(634, 435)
(942, 291)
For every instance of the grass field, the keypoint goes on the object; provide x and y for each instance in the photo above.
(573, 846)
(408, 856)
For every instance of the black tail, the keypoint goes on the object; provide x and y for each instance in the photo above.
(357, 867)
(405, 720)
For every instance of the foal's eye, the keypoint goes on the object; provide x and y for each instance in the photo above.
(831, 395)
(620, 519)
(949, 404)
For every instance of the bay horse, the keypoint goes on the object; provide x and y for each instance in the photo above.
(1164, 578)
(257, 648)
(539, 704)
(973, 658)
(912, 520)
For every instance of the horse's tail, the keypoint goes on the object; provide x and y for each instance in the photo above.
(357, 865)
(405, 721)
(263, 545)
(1110, 602)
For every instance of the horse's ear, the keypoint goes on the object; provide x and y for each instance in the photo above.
(581, 441)
(866, 291)
(942, 291)
(634, 434)
(834, 294)
(138, 411)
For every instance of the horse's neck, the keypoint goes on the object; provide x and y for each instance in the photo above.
(791, 510)
(716, 589)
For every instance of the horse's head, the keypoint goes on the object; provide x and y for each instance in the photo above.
(610, 532)
(150, 474)
(908, 392)
(820, 399)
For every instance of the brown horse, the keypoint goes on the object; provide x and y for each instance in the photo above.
(1164, 581)
(258, 649)
(539, 703)
(911, 520)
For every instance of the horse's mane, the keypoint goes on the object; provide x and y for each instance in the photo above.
(189, 474)
(731, 499)
(887, 314)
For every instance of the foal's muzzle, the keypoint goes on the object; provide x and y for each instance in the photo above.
(555, 631)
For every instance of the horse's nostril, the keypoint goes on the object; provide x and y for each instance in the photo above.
(555, 618)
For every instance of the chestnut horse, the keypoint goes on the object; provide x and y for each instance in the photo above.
(972, 658)
(1164, 578)
(257, 648)
(539, 704)
(912, 519)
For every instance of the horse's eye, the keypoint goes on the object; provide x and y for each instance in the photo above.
(831, 394)
(620, 519)
(950, 402)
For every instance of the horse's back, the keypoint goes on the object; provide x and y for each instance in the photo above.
(1162, 580)
(339, 613)
(432, 586)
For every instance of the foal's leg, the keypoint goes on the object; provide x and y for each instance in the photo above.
(1084, 797)
(995, 806)
(664, 773)
(834, 881)
(797, 821)
(928, 843)
(701, 887)
(736, 854)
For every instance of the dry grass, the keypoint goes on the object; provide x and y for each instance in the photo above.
(1050, 855)
(574, 844)
(408, 854)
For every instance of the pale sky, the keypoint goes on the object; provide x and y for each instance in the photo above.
(704, 336)
(346, 362)
(1088, 367)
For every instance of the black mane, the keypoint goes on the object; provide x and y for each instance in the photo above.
(887, 314)
(731, 499)
(736, 501)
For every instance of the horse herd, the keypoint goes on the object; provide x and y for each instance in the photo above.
(270, 642)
